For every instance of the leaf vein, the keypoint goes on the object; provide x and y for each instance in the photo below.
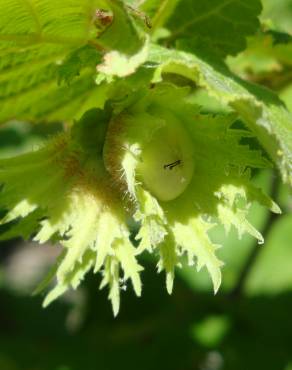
(33, 14)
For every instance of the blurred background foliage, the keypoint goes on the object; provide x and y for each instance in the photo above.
(247, 325)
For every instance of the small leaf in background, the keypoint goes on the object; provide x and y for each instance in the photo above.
(271, 274)
(279, 12)
(211, 331)
(267, 60)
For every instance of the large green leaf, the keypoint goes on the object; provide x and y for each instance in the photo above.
(38, 36)
(214, 24)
